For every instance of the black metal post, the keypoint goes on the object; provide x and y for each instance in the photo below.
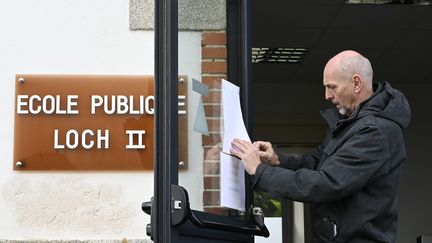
(245, 49)
(287, 221)
(166, 122)
(239, 63)
(246, 84)
(233, 40)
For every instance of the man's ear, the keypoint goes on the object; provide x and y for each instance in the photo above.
(357, 83)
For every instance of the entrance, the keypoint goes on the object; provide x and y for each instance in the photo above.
(186, 206)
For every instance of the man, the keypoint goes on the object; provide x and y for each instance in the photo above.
(351, 179)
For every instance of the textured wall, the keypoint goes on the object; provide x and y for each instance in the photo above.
(69, 203)
(192, 14)
(85, 38)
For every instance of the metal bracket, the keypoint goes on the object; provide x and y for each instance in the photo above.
(258, 217)
(147, 208)
(180, 212)
(180, 209)
(179, 205)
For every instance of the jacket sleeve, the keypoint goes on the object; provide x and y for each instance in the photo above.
(294, 162)
(347, 169)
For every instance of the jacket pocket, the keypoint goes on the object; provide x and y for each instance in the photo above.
(326, 230)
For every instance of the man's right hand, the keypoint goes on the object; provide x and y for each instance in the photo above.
(266, 153)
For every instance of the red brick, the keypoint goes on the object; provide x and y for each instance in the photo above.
(213, 125)
(211, 198)
(212, 110)
(214, 67)
(211, 139)
(211, 182)
(213, 97)
(211, 168)
(214, 52)
(213, 38)
(214, 82)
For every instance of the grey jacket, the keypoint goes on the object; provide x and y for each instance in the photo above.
(351, 179)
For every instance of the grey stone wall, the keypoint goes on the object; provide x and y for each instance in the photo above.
(193, 14)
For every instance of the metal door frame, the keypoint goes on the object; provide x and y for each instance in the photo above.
(166, 108)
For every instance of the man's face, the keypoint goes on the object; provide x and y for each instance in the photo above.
(339, 92)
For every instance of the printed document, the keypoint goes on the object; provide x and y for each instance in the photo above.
(232, 170)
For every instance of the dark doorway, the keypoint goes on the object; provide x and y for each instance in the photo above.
(288, 94)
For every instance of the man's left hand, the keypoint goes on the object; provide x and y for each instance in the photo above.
(248, 153)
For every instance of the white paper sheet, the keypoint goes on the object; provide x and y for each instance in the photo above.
(233, 119)
(232, 170)
(232, 182)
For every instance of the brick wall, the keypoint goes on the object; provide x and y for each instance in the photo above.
(214, 68)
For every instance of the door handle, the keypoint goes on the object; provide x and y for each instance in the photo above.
(180, 212)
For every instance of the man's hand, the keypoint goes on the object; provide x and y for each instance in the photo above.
(248, 153)
(266, 153)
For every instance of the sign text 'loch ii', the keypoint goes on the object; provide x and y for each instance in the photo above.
(88, 122)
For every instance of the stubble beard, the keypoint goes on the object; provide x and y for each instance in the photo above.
(342, 110)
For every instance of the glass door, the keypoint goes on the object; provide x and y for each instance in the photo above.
(198, 44)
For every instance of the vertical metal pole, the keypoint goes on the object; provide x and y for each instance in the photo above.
(246, 79)
(245, 63)
(239, 53)
(233, 40)
(287, 220)
(166, 123)
(239, 62)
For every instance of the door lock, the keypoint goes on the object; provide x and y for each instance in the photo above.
(177, 205)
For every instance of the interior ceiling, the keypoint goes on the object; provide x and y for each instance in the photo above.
(397, 38)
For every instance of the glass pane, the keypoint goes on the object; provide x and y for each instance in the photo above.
(203, 60)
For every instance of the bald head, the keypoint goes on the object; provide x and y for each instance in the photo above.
(349, 63)
(347, 79)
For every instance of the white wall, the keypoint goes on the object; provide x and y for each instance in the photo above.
(274, 225)
(76, 37)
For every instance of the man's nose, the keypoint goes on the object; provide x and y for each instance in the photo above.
(328, 95)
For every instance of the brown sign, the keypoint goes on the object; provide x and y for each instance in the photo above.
(79, 122)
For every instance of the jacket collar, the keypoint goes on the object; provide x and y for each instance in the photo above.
(336, 121)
